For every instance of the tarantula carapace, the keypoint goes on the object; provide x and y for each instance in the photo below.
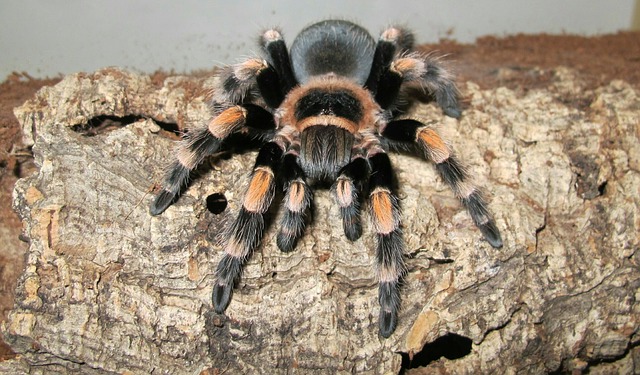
(327, 111)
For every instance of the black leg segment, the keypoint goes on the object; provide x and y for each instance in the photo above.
(451, 171)
(195, 146)
(246, 231)
(385, 215)
(348, 190)
(297, 200)
(276, 49)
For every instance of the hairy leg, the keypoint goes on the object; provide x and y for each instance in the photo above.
(246, 231)
(297, 201)
(202, 142)
(385, 216)
(348, 190)
(450, 169)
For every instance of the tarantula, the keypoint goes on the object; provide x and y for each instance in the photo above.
(327, 111)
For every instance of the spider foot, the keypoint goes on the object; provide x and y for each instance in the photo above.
(447, 98)
(453, 111)
(389, 298)
(388, 322)
(491, 233)
(174, 180)
(352, 228)
(227, 272)
(286, 241)
(162, 201)
(221, 297)
(351, 222)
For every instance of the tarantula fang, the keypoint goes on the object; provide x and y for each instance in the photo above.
(327, 111)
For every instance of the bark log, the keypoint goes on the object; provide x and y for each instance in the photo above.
(110, 289)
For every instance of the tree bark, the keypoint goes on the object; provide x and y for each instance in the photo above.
(110, 289)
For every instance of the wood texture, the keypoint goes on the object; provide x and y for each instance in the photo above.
(110, 289)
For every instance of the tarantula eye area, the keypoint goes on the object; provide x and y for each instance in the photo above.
(339, 103)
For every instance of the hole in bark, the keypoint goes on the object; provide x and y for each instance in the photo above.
(450, 346)
(105, 123)
(440, 260)
(216, 203)
(170, 127)
(602, 187)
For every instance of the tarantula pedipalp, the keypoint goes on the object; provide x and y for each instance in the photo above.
(327, 112)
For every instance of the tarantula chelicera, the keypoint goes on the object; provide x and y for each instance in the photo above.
(327, 111)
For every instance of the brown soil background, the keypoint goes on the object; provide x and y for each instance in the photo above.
(520, 62)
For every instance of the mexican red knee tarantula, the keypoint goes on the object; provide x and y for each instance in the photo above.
(327, 112)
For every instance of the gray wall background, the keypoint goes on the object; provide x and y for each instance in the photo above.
(51, 37)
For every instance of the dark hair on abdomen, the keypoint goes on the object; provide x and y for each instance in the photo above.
(333, 46)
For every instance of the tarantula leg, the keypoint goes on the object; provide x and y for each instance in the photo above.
(245, 233)
(451, 171)
(238, 81)
(455, 176)
(276, 49)
(347, 190)
(439, 81)
(269, 86)
(297, 200)
(430, 76)
(383, 85)
(385, 216)
(382, 57)
(202, 142)
(193, 148)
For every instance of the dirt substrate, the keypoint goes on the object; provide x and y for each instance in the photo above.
(520, 63)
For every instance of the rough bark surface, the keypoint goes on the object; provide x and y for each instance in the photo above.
(110, 289)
